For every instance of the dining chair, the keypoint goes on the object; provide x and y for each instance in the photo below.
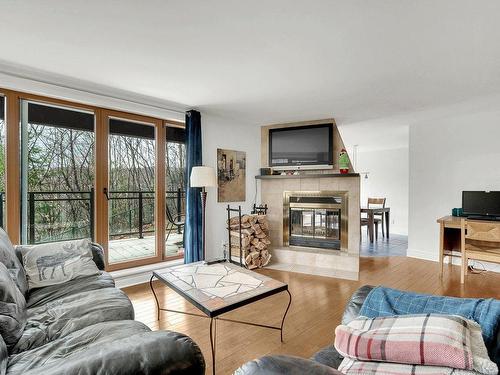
(480, 240)
(379, 218)
(364, 222)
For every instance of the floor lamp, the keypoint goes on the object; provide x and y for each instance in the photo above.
(203, 177)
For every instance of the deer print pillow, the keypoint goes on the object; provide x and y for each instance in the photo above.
(57, 262)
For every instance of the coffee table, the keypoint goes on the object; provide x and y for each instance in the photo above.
(216, 289)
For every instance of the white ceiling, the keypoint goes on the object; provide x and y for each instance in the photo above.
(265, 61)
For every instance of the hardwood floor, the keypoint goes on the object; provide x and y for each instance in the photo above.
(317, 307)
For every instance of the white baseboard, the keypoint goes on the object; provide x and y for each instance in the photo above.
(140, 275)
(419, 254)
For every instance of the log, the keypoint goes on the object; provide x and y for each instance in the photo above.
(245, 241)
(244, 232)
(237, 226)
(254, 239)
(261, 246)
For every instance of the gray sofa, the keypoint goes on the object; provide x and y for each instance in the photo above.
(326, 361)
(84, 326)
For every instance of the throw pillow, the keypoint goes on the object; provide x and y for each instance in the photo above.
(431, 340)
(12, 309)
(57, 262)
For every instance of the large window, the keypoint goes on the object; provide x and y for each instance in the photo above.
(57, 173)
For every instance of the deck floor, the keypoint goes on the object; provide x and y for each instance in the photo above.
(137, 248)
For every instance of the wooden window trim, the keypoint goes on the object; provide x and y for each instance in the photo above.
(103, 167)
(101, 114)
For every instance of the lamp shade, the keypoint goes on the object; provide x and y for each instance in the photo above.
(203, 177)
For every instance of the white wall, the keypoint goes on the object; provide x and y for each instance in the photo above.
(387, 177)
(97, 95)
(380, 147)
(221, 132)
(447, 155)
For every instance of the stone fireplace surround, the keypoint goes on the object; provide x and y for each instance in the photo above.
(316, 261)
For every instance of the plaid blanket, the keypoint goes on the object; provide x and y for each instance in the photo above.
(382, 301)
(353, 367)
(438, 340)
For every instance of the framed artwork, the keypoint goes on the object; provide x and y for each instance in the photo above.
(231, 175)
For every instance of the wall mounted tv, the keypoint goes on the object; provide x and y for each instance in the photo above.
(301, 147)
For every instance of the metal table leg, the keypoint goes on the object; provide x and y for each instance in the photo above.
(156, 298)
(213, 340)
(286, 311)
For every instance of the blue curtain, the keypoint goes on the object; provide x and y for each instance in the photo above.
(192, 230)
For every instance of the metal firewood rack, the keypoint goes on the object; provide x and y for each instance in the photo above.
(259, 210)
(230, 258)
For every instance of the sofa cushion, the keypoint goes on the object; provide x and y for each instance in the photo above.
(57, 262)
(12, 309)
(328, 356)
(9, 259)
(121, 347)
(41, 296)
(284, 364)
(98, 256)
(355, 303)
(4, 356)
(63, 316)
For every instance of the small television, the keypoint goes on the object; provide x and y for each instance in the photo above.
(302, 147)
(481, 203)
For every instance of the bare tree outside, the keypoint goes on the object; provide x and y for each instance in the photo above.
(131, 182)
(61, 178)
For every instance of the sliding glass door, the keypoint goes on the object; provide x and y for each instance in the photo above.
(132, 190)
(175, 180)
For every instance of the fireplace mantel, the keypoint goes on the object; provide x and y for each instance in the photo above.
(310, 175)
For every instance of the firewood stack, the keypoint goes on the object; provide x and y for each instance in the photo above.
(254, 240)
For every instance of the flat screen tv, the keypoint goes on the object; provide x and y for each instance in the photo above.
(303, 146)
(481, 203)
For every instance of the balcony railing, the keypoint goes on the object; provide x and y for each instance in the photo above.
(48, 222)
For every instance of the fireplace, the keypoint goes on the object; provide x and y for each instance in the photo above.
(315, 219)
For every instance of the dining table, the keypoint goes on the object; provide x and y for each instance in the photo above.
(371, 211)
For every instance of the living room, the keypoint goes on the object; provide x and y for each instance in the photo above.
(249, 187)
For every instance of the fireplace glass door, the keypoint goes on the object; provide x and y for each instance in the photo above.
(315, 227)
